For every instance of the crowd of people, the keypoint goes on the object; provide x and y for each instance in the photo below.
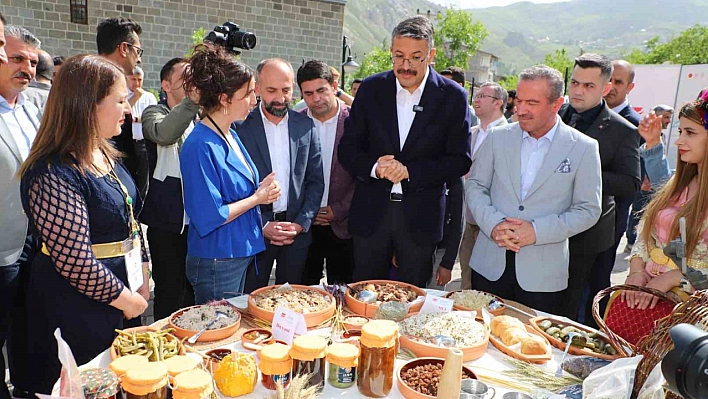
(529, 188)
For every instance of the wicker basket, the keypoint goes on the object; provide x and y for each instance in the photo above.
(616, 341)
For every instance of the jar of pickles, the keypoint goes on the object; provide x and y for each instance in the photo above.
(275, 365)
(377, 356)
(308, 353)
(342, 358)
(145, 381)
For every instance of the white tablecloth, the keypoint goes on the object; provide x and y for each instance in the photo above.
(493, 359)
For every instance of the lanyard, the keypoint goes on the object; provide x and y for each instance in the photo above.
(133, 226)
(229, 144)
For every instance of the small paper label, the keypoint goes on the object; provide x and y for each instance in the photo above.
(436, 304)
(287, 323)
(134, 267)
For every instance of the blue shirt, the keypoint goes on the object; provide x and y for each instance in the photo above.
(23, 122)
(213, 177)
(533, 152)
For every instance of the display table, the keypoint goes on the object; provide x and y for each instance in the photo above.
(491, 364)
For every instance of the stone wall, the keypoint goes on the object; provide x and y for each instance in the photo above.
(290, 29)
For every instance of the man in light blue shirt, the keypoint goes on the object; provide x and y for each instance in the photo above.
(19, 121)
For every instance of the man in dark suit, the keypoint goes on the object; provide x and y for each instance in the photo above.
(285, 142)
(591, 252)
(406, 135)
(331, 242)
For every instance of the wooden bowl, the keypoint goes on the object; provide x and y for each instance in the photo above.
(496, 312)
(538, 359)
(209, 335)
(369, 309)
(311, 319)
(422, 349)
(170, 337)
(572, 350)
(263, 341)
(410, 393)
(354, 326)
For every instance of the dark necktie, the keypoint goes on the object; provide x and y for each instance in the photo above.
(574, 119)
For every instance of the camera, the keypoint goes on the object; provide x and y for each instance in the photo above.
(230, 36)
(685, 368)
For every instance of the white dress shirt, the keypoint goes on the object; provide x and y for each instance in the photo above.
(533, 152)
(278, 138)
(405, 101)
(621, 106)
(482, 134)
(146, 100)
(22, 122)
(327, 132)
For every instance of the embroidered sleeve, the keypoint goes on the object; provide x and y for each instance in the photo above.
(59, 216)
(639, 249)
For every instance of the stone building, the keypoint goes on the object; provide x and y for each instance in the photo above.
(290, 29)
(482, 68)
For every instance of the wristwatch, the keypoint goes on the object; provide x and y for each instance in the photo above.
(339, 93)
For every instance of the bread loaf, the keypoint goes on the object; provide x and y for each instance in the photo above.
(533, 345)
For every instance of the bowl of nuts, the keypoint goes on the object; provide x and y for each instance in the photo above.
(419, 378)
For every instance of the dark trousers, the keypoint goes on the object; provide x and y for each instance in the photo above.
(622, 205)
(599, 280)
(580, 270)
(14, 280)
(635, 215)
(169, 262)
(373, 254)
(337, 253)
(507, 287)
(291, 263)
(141, 172)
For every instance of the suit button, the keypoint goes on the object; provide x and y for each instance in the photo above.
(521, 207)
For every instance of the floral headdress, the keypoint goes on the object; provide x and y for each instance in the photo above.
(702, 107)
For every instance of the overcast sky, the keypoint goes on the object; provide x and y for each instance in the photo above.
(464, 4)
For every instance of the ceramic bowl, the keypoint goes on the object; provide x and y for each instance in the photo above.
(496, 312)
(369, 309)
(142, 329)
(311, 319)
(410, 393)
(469, 353)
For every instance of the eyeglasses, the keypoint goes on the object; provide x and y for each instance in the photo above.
(414, 62)
(482, 96)
(138, 49)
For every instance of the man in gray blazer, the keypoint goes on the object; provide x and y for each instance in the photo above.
(19, 121)
(533, 185)
(283, 141)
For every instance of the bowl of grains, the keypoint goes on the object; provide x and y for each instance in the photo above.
(419, 332)
(315, 304)
(386, 291)
(476, 300)
(189, 321)
(419, 378)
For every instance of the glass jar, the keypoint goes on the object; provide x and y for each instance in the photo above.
(99, 384)
(147, 381)
(308, 354)
(377, 357)
(342, 358)
(275, 365)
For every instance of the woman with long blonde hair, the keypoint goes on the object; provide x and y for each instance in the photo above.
(685, 195)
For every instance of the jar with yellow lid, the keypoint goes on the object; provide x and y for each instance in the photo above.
(342, 358)
(179, 364)
(275, 365)
(377, 357)
(145, 381)
(124, 363)
(308, 353)
(192, 384)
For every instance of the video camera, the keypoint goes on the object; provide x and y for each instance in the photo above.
(230, 36)
(685, 368)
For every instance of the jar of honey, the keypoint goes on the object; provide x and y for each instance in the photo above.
(308, 354)
(275, 365)
(377, 357)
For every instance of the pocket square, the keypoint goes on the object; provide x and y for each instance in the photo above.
(564, 166)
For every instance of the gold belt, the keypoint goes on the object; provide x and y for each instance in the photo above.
(109, 249)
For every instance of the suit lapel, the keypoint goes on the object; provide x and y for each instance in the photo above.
(429, 102)
(6, 136)
(560, 147)
(600, 123)
(388, 106)
(475, 135)
(513, 162)
(294, 134)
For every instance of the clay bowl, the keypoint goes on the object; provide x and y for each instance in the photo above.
(209, 335)
(265, 337)
(142, 329)
(215, 357)
(311, 319)
(537, 359)
(496, 312)
(469, 353)
(350, 322)
(572, 350)
(410, 393)
(369, 309)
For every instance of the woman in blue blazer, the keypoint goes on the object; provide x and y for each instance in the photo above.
(222, 192)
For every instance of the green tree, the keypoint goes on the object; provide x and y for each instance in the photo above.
(375, 61)
(197, 37)
(559, 60)
(457, 39)
(509, 82)
(689, 47)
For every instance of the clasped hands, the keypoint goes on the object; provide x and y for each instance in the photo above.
(281, 233)
(389, 168)
(513, 234)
